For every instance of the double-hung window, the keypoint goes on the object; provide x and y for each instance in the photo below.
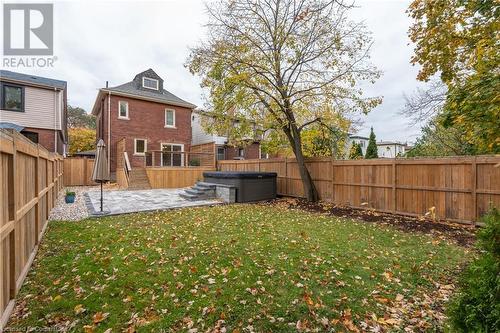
(169, 118)
(123, 110)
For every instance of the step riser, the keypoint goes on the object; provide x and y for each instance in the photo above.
(138, 180)
(200, 191)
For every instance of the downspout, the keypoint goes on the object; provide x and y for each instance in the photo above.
(109, 131)
(55, 119)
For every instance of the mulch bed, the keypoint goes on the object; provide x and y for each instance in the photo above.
(463, 235)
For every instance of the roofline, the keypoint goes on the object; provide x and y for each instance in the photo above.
(31, 84)
(113, 92)
(381, 143)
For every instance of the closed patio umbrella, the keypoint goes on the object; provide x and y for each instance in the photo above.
(100, 173)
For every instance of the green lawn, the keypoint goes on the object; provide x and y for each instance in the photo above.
(239, 267)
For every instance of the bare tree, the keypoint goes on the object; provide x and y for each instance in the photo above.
(284, 64)
(425, 104)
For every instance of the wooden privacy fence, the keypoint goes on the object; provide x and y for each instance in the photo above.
(460, 188)
(30, 180)
(172, 177)
(78, 171)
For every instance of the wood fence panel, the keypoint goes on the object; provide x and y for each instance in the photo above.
(205, 153)
(459, 188)
(171, 177)
(30, 180)
(78, 171)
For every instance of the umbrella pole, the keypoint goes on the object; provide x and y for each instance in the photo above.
(101, 195)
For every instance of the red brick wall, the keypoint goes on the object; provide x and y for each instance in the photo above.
(46, 138)
(146, 121)
(250, 152)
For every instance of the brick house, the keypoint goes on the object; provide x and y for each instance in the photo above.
(223, 150)
(36, 107)
(147, 116)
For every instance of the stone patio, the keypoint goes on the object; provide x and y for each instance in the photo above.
(121, 202)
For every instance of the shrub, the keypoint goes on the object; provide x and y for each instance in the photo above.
(194, 162)
(70, 193)
(476, 306)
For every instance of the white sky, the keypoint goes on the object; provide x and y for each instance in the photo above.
(99, 41)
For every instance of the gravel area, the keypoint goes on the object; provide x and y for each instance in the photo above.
(74, 211)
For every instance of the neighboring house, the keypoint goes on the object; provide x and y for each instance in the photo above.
(223, 150)
(149, 117)
(361, 140)
(391, 149)
(36, 107)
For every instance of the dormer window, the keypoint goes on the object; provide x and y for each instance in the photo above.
(149, 83)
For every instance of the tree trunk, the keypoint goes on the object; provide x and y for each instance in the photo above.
(309, 189)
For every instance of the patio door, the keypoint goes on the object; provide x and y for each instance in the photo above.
(172, 154)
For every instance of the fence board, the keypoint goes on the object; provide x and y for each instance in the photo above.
(460, 188)
(171, 177)
(30, 180)
(78, 171)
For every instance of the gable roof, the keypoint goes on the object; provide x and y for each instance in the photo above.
(33, 79)
(134, 88)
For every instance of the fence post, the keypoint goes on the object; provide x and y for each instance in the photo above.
(37, 191)
(394, 186)
(474, 189)
(286, 176)
(12, 237)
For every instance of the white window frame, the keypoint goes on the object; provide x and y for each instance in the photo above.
(173, 118)
(145, 147)
(119, 110)
(172, 144)
(148, 78)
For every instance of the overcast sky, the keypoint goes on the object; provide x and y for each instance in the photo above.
(97, 41)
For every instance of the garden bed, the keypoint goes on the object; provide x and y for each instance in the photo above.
(464, 235)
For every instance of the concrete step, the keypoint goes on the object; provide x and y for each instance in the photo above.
(188, 196)
(205, 185)
(194, 191)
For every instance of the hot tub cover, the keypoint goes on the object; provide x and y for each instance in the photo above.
(240, 174)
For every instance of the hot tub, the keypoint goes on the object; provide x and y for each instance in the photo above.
(250, 186)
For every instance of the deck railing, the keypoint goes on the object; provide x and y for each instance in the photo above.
(158, 158)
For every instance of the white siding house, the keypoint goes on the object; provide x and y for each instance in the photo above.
(363, 142)
(199, 135)
(389, 149)
(42, 109)
(35, 106)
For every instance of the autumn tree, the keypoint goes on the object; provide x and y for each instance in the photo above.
(438, 140)
(371, 149)
(355, 152)
(78, 117)
(459, 41)
(81, 139)
(284, 65)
